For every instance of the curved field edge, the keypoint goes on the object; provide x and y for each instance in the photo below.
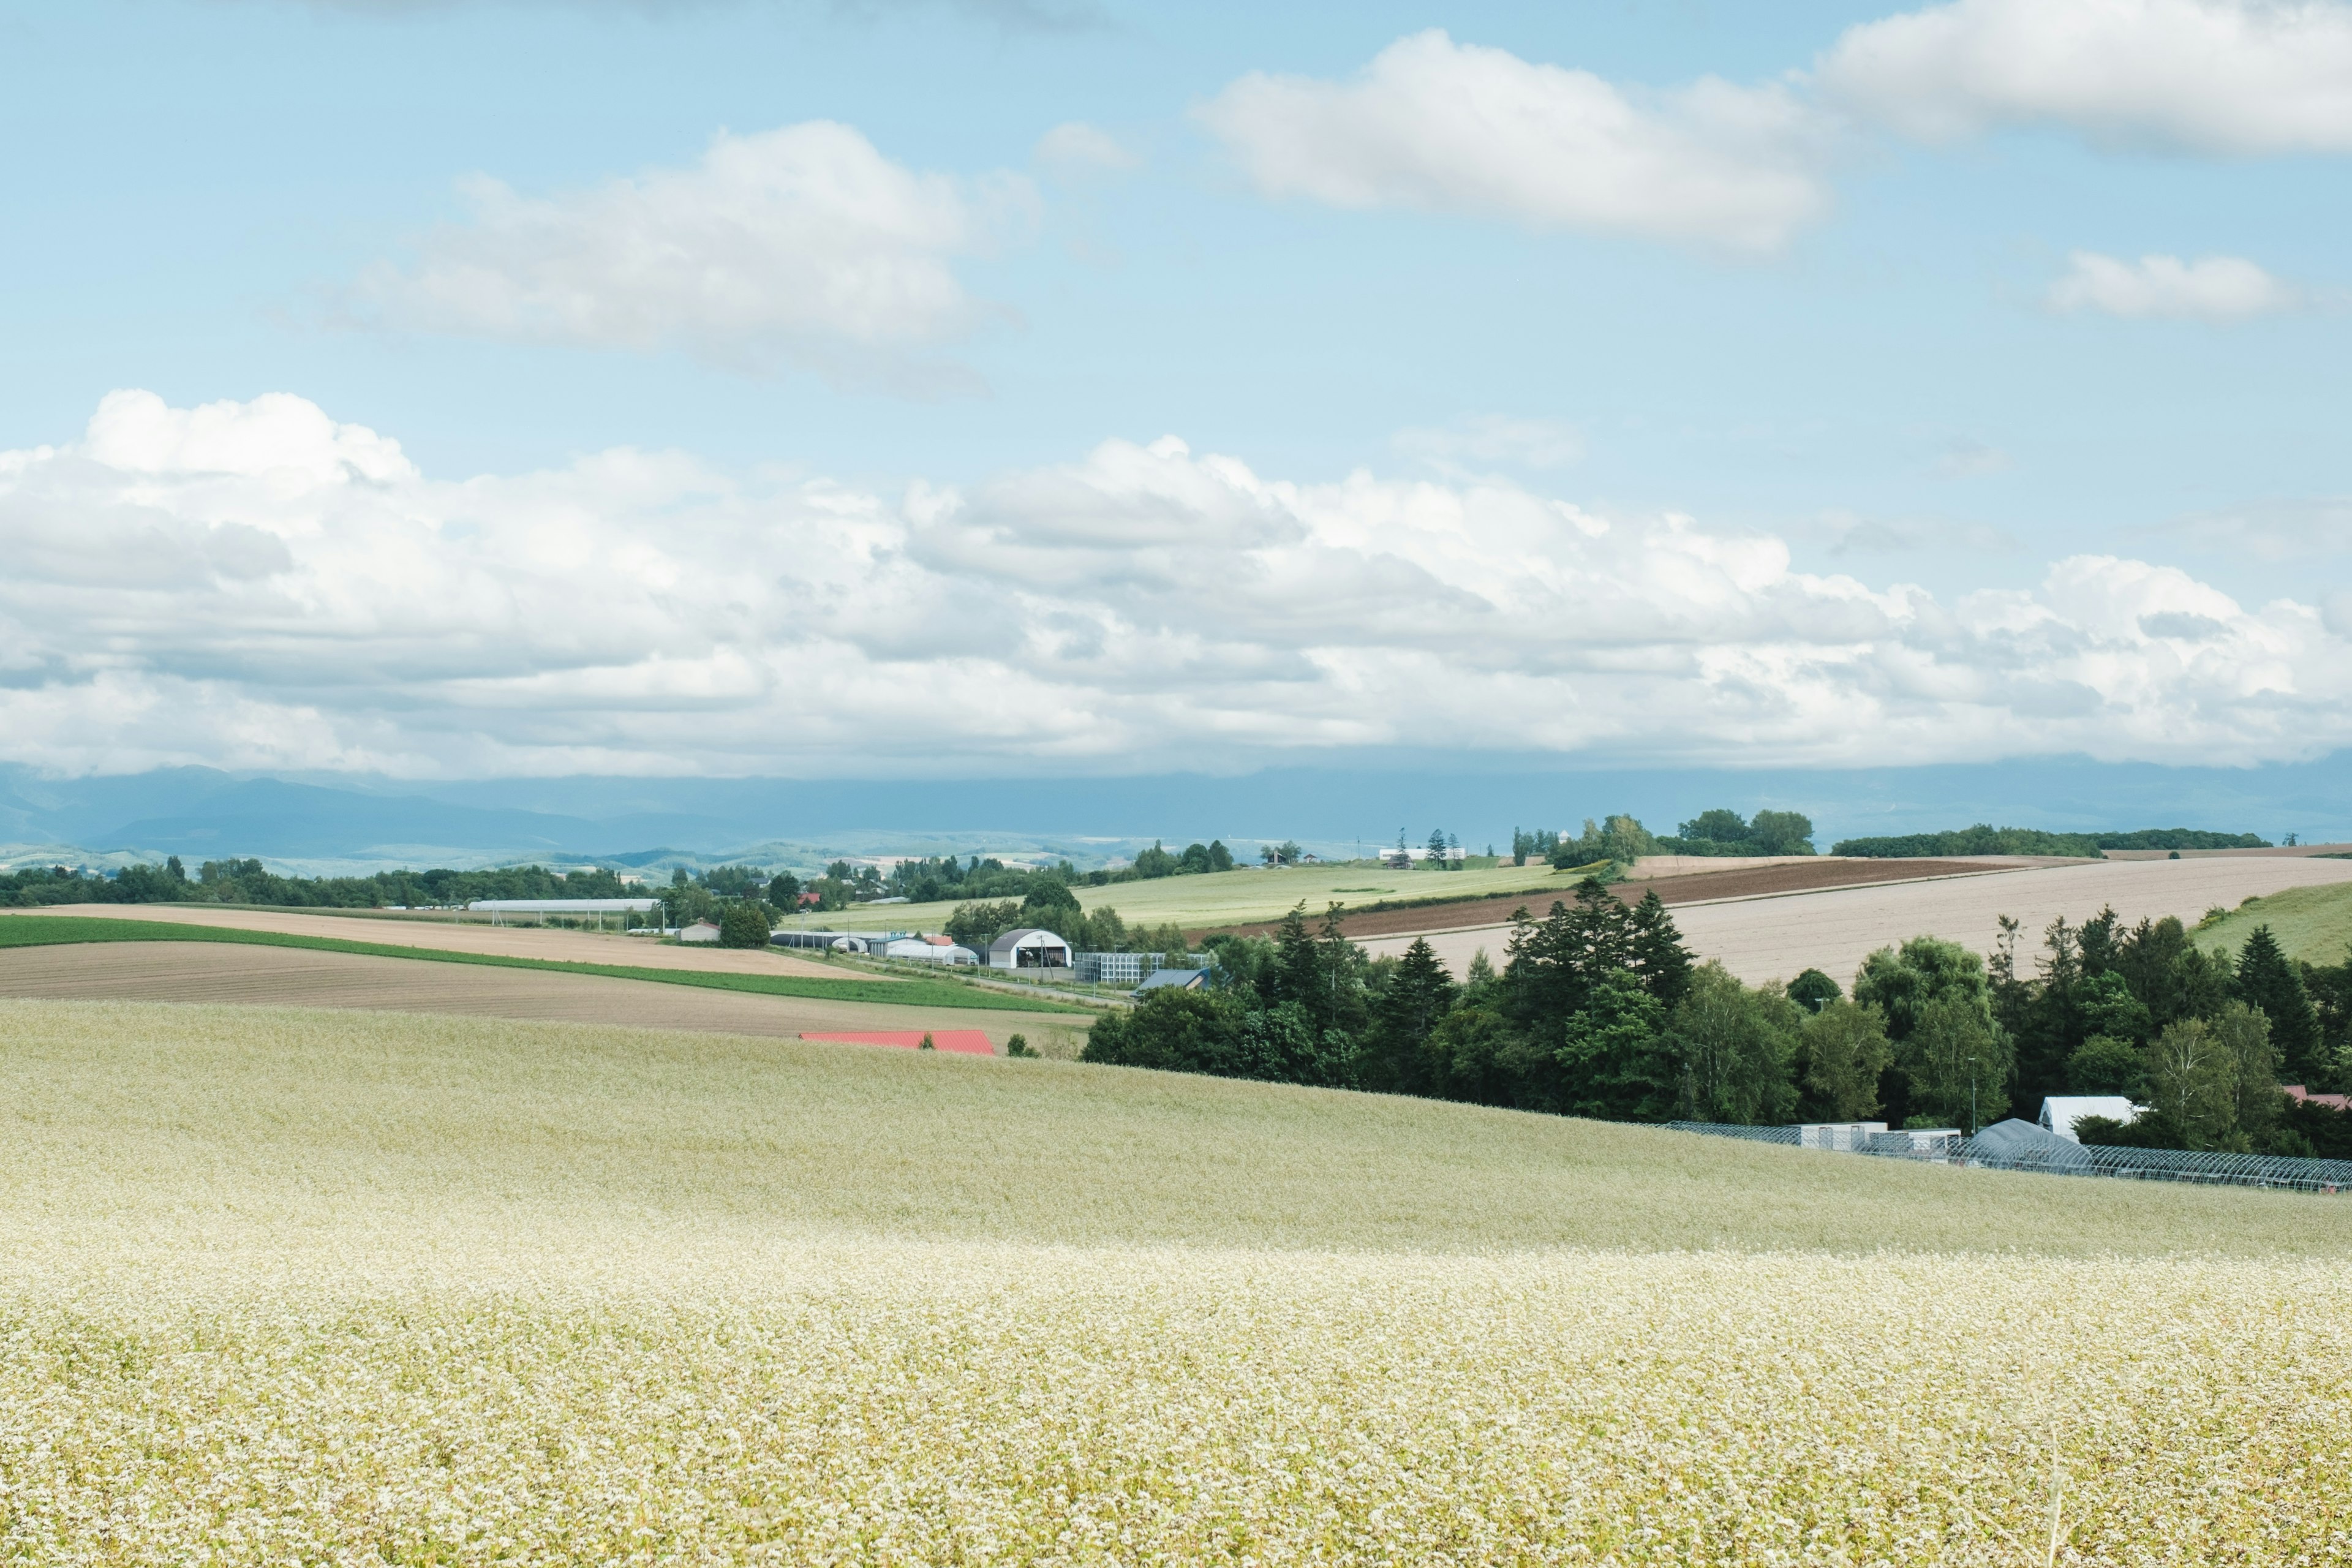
(43, 931)
(2313, 924)
(165, 1123)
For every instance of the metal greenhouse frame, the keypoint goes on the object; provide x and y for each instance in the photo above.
(2322, 1176)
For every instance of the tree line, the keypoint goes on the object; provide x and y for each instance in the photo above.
(1599, 1010)
(249, 882)
(1986, 839)
(1623, 839)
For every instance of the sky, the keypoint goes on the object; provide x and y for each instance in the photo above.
(425, 389)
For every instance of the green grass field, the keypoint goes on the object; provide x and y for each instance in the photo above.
(2311, 924)
(1242, 897)
(49, 931)
(292, 1287)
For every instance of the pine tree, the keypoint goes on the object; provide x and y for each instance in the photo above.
(1656, 949)
(2267, 980)
(1420, 993)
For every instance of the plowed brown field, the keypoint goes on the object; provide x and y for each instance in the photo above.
(452, 936)
(1683, 887)
(219, 972)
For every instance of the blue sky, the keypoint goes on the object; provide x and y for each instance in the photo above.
(1935, 390)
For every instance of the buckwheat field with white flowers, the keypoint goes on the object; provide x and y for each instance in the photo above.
(282, 1287)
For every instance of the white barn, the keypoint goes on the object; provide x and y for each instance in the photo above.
(1028, 948)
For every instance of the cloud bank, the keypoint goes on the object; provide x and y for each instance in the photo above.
(1434, 125)
(2212, 289)
(256, 585)
(803, 246)
(2228, 77)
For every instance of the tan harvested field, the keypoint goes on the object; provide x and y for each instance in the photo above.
(235, 972)
(1762, 939)
(1747, 880)
(452, 936)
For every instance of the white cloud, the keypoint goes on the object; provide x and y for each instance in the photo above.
(257, 585)
(801, 245)
(1495, 438)
(1076, 151)
(2208, 76)
(2211, 289)
(1445, 127)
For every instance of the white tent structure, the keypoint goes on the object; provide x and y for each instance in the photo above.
(2061, 1111)
(1028, 948)
(921, 951)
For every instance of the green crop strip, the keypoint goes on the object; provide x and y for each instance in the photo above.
(53, 930)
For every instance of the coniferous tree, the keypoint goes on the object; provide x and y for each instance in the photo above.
(1656, 951)
(2267, 980)
(1420, 993)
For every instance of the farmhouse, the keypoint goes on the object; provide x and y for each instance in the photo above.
(1028, 948)
(1174, 979)
(700, 931)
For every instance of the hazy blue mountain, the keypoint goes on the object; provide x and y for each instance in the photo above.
(201, 814)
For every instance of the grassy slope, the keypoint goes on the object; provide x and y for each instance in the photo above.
(2312, 923)
(1233, 898)
(45, 930)
(202, 1120)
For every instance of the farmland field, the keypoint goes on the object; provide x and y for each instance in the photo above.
(1234, 898)
(34, 931)
(1774, 938)
(241, 972)
(289, 1286)
(540, 943)
(2311, 924)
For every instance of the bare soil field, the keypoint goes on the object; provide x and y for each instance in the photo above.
(451, 936)
(225, 972)
(1749, 881)
(1773, 938)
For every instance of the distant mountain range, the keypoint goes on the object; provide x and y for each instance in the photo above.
(317, 824)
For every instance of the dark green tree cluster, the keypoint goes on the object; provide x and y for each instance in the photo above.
(250, 882)
(1621, 838)
(1160, 861)
(1050, 904)
(2142, 1011)
(1724, 832)
(1598, 1011)
(1986, 839)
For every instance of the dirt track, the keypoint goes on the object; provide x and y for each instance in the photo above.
(1762, 939)
(1744, 882)
(450, 936)
(223, 972)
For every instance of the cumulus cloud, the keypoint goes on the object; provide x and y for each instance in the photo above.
(2211, 288)
(802, 245)
(255, 584)
(2205, 76)
(1439, 126)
